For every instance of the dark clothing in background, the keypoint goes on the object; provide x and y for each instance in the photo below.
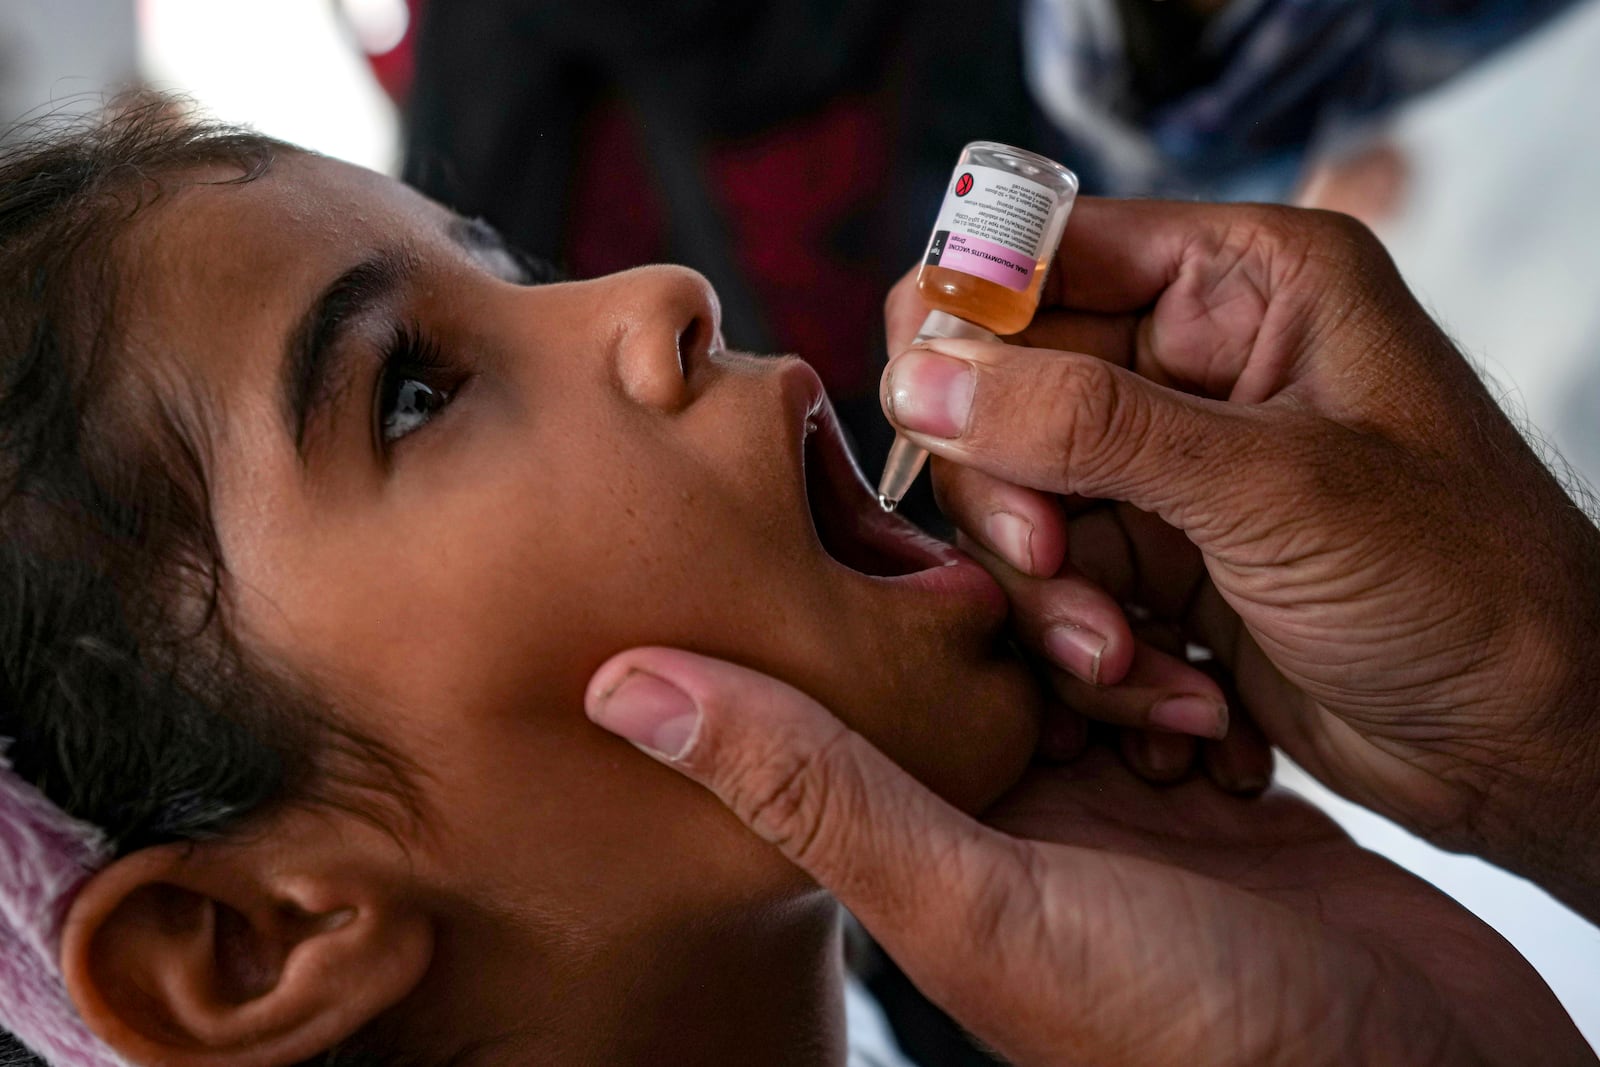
(794, 152)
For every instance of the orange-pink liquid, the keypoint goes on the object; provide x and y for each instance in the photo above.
(985, 303)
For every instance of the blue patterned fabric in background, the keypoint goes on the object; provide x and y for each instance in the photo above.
(1284, 76)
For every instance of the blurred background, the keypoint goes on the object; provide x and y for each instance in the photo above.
(795, 153)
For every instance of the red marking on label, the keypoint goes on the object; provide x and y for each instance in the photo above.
(964, 185)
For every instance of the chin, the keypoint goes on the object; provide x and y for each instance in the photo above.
(974, 750)
(963, 721)
(970, 751)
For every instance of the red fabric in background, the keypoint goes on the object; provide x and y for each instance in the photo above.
(793, 200)
(394, 68)
(616, 219)
(796, 201)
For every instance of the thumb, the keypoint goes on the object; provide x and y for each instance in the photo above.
(929, 882)
(1068, 423)
(1044, 951)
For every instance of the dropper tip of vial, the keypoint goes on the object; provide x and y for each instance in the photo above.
(887, 503)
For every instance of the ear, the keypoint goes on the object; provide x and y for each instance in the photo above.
(253, 954)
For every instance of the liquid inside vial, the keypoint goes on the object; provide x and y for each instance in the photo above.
(994, 307)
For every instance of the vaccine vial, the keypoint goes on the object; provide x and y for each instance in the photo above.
(997, 231)
(986, 261)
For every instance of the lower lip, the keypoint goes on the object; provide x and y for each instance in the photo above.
(961, 579)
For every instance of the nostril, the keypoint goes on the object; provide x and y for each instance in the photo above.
(693, 340)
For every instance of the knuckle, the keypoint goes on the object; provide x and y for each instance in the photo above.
(1271, 234)
(791, 797)
(1269, 242)
(1089, 412)
(1337, 232)
(1314, 264)
(1259, 233)
(1290, 227)
(1295, 237)
(1268, 221)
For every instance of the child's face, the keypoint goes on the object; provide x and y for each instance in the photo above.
(453, 581)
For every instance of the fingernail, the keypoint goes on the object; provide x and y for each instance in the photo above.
(1235, 771)
(1197, 715)
(1077, 649)
(930, 392)
(1012, 537)
(651, 712)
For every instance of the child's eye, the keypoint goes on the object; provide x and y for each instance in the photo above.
(411, 389)
(408, 405)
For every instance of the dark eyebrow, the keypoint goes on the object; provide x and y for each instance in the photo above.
(312, 358)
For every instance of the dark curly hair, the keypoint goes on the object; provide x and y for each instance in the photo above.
(124, 696)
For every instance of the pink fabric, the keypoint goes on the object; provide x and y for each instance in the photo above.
(45, 857)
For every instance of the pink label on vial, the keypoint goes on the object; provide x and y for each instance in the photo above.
(988, 260)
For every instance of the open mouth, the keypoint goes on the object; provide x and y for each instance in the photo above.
(852, 527)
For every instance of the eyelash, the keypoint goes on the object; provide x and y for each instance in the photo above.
(411, 356)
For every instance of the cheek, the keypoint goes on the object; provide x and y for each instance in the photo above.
(549, 815)
(499, 570)
(470, 631)
(475, 671)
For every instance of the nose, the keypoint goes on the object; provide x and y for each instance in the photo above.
(669, 323)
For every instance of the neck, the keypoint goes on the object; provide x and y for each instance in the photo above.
(760, 986)
(766, 989)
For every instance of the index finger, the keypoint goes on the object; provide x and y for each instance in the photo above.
(903, 311)
(1120, 255)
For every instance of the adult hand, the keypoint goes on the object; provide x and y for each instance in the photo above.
(1317, 487)
(1129, 924)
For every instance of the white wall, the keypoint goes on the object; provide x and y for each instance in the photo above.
(63, 52)
(283, 66)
